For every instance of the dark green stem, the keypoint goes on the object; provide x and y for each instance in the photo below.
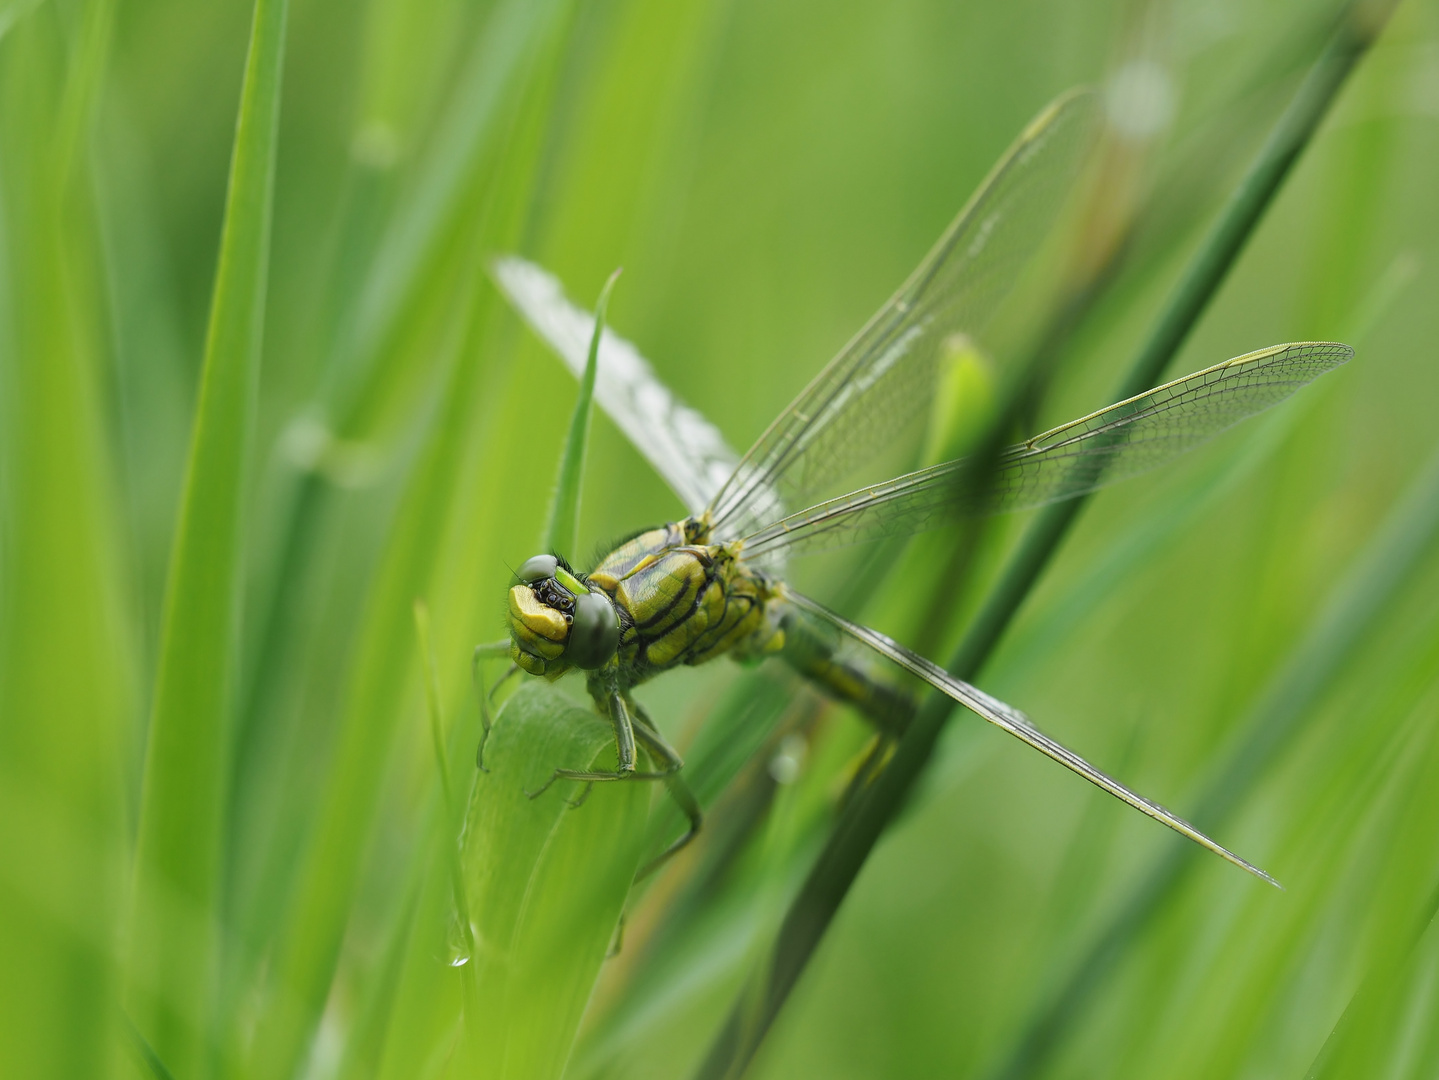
(865, 819)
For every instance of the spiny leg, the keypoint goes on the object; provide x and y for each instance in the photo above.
(679, 791)
(624, 752)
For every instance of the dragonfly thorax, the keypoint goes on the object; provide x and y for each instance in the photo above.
(558, 621)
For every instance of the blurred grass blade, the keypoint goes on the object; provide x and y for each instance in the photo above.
(186, 768)
(66, 684)
(1377, 1004)
(548, 881)
(1357, 30)
(1347, 621)
(864, 821)
(145, 1053)
(562, 531)
(412, 277)
(413, 250)
(450, 816)
(313, 928)
(310, 936)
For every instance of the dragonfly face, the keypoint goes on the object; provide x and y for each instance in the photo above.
(558, 622)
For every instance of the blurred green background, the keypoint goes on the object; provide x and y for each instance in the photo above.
(766, 173)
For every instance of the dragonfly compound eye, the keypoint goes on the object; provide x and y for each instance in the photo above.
(537, 569)
(594, 633)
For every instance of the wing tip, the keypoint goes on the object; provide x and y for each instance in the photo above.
(1244, 864)
(1081, 98)
(1340, 352)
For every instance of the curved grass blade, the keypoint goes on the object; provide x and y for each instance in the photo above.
(562, 531)
(882, 380)
(865, 819)
(684, 448)
(178, 847)
(1016, 723)
(1079, 457)
(547, 882)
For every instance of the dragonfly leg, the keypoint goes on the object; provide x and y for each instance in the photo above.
(624, 751)
(679, 791)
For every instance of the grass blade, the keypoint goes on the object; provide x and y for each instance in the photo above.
(66, 684)
(308, 949)
(866, 818)
(179, 845)
(562, 531)
(547, 881)
(1377, 1003)
(1274, 722)
(443, 222)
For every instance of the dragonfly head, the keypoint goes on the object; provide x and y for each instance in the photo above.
(558, 622)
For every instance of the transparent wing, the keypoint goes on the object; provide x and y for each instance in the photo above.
(1011, 720)
(1120, 441)
(686, 450)
(881, 381)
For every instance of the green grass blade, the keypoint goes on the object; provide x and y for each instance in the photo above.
(66, 678)
(415, 249)
(179, 844)
(1354, 1046)
(145, 1053)
(562, 530)
(865, 820)
(309, 941)
(547, 881)
(1345, 624)
(517, 44)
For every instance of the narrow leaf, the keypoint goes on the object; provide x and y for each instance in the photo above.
(66, 682)
(178, 856)
(563, 527)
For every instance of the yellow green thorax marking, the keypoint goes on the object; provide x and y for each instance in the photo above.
(684, 601)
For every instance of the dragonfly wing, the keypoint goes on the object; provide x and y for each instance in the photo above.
(880, 382)
(687, 451)
(1149, 429)
(1122, 440)
(1011, 720)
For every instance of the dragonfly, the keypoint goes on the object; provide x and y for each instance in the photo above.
(713, 583)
